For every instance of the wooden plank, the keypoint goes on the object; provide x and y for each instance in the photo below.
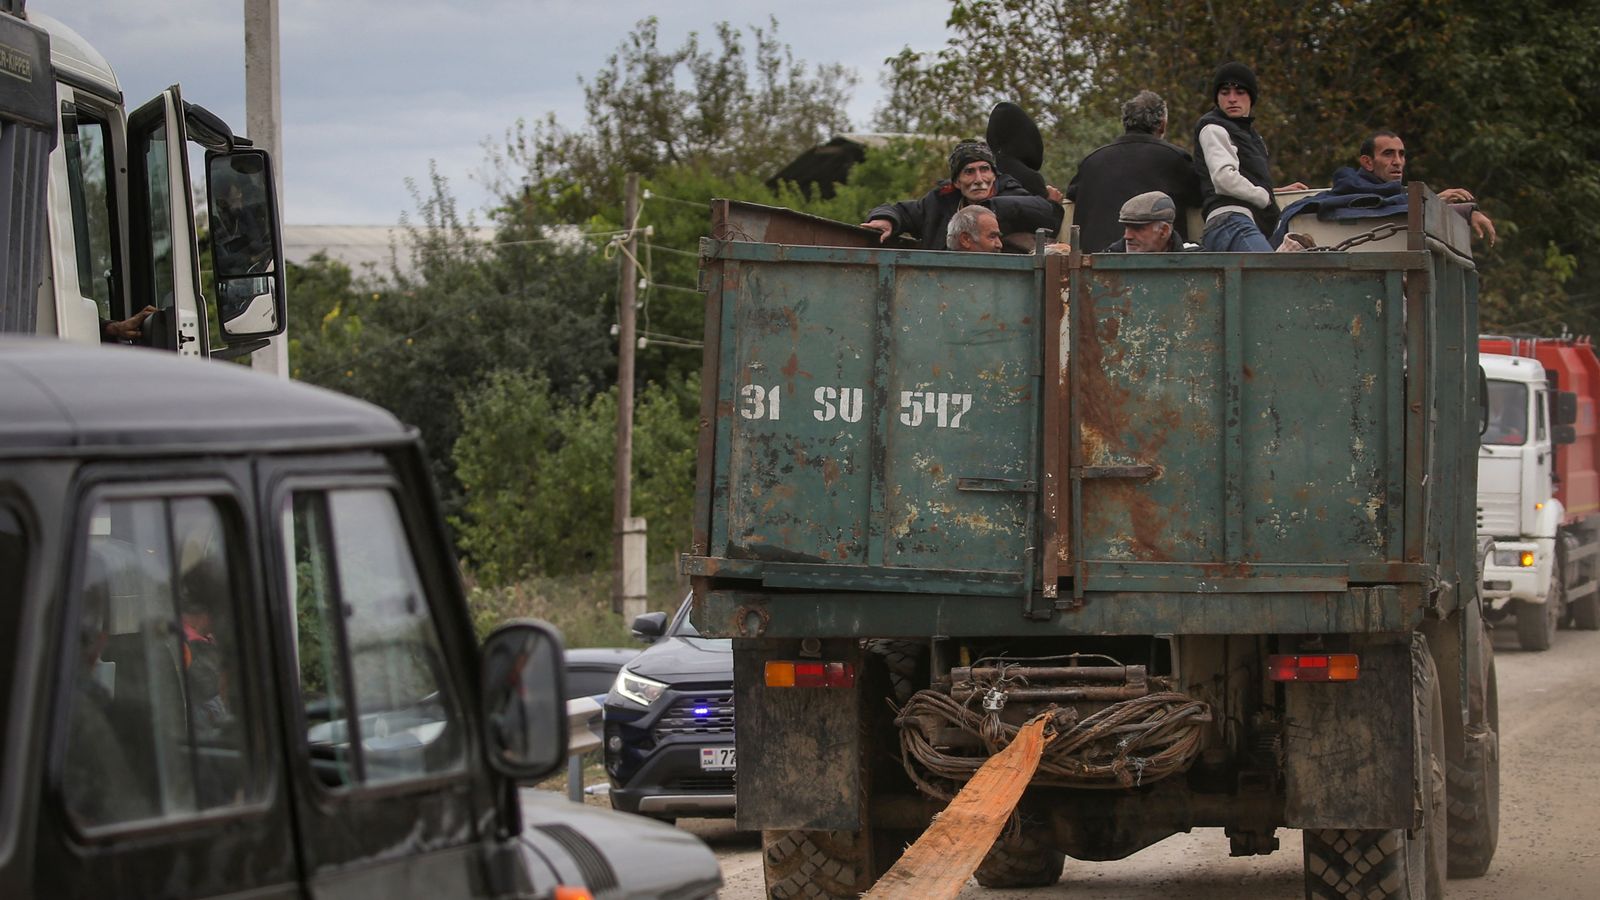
(940, 862)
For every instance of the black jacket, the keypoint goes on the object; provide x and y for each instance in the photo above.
(1121, 170)
(1253, 166)
(927, 218)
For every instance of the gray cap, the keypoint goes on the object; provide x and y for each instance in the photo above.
(1150, 206)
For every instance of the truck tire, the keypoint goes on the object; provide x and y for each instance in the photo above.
(1536, 622)
(1020, 861)
(1397, 864)
(1474, 795)
(907, 663)
(1584, 611)
(826, 865)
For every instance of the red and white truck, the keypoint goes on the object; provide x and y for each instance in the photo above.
(1539, 484)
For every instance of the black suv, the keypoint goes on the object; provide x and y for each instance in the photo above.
(669, 723)
(235, 659)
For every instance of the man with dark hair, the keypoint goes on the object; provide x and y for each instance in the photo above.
(1383, 161)
(1376, 188)
(973, 181)
(1139, 161)
(973, 229)
(1235, 172)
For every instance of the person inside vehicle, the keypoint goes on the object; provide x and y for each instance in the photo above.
(973, 181)
(1383, 161)
(1147, 226)
(973, 229)
(98, 781)
(201, 587)
(125, 331)
(1234, 169)
(1140, 160)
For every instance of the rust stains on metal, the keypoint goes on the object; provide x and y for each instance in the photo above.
(830, 473)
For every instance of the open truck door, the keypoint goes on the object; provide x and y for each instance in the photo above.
(246, 249)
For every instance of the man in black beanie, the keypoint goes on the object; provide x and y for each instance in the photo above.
(973, 180)
(1231, 160)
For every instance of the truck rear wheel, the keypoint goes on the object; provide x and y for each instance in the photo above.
(1536, 622)
(828, 865)
(1020, 860)
(1474, 795)
(1397, 864)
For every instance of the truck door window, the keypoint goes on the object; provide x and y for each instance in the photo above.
(157, 724)
(87, 143)
(1539, 406)
(1508, 414)
(379, 706)
(157, 169)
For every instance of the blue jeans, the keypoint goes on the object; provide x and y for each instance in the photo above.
(1234, 233)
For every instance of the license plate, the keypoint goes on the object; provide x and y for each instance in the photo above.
(716, 759)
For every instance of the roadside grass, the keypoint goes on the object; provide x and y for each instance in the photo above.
(578, 605)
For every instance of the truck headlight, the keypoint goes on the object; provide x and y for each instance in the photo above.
(1522, 559)
(637, 688)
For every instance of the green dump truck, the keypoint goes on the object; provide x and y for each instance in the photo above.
(1214, 513)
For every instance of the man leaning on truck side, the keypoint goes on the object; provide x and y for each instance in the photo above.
(1383, 161)
(973, 181)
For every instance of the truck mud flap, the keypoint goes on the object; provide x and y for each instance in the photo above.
(1348, 748)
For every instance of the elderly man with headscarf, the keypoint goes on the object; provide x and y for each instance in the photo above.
(973, 180)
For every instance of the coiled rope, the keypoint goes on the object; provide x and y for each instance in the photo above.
(1130, 743)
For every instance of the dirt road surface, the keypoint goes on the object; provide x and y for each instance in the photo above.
(1549, 810)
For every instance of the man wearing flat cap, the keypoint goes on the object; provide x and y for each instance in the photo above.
(973, 180)
(1147, 226)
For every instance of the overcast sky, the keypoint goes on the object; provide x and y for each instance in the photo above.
(374, 89)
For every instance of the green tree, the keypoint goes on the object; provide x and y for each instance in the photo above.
(537, 472)
(725, 109)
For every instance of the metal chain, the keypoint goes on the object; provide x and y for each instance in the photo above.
(1376, 234)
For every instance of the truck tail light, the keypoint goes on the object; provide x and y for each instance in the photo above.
(1314, 667)
(788, 673)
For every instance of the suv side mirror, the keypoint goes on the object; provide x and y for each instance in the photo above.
(524, 715)
(649, 626)
(1566, 411)
(246, 246)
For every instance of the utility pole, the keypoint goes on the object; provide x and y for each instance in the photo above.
(263, 120)
(629, 595)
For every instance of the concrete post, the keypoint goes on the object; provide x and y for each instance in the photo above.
(635, 593)
(263, 118)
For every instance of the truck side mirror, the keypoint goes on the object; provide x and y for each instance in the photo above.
(524, 715)
(246, 245)
(1564, 434)
(649, 626)
(1566, 411)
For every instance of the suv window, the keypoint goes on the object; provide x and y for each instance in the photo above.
(87, 142)
(157, 725)
(369, 655)
(13, 573)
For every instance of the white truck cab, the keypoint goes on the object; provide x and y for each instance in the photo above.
(120, 231)
(1516, 497)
